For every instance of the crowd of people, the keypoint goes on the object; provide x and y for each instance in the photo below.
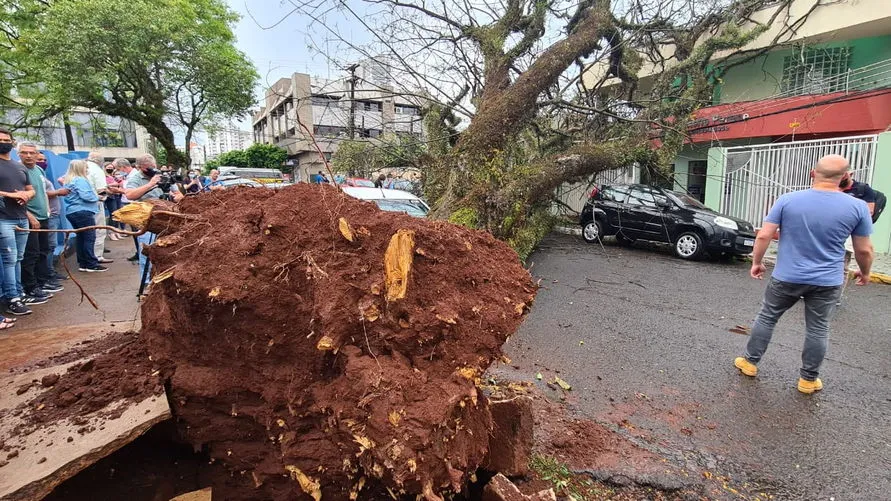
(90, 191)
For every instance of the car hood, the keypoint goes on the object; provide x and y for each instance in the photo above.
(711, 214)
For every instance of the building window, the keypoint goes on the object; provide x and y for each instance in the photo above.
(373, 133)
(322, 99)
(407, 110)
(329, 131)
(816, 71)
(368, 106)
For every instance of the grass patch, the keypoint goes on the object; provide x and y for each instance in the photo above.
(567, 483)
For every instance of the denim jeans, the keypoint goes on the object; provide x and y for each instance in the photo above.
(35, 272)
(86, 240)
(145, 239)
(112, 203)
(819, 304)
(53, 223)
(12, 251)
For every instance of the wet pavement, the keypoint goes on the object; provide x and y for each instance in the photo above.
(67, 318)
(644, 340)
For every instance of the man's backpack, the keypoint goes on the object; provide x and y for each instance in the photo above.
(881, 200)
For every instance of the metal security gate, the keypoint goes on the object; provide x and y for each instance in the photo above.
(572, 197)
(755, 176)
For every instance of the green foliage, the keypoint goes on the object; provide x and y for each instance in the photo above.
(234, 158)
(565, 482)
(213, 163)
(266, 156)
(534, 228)
(156, 62)
(353, 158)
(361, 158)
(465, 216)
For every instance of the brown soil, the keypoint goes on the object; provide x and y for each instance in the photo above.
(123, 374)
(287, 362)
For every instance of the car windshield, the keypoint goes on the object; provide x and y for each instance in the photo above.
(688, 201)
(363, 183)
(411, 207)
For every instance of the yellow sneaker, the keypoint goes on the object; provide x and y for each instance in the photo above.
(746, 367)
(809, 387)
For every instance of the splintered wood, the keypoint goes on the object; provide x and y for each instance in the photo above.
(397, 262)
(136, 214)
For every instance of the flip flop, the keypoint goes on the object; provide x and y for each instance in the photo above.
(10, 320)
(4, 325)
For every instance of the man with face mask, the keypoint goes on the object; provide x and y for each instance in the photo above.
(16, 192)
(54, 222)
(36, 280)
(141, 185)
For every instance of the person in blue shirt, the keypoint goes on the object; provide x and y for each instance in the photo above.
(814, 225)
(81, 207)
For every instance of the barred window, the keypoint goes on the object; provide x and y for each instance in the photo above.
(816, 71)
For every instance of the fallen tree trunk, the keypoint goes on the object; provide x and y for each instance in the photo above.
(317, 345)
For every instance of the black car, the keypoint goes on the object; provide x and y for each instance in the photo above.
(639, 212)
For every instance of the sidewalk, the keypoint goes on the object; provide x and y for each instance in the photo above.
(67, 319)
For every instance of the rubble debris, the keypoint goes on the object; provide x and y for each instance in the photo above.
(500, 488)
(512, 436)
(297, 350)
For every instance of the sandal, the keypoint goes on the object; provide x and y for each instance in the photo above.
(6, 324)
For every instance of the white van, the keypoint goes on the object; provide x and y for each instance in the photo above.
(390, 200)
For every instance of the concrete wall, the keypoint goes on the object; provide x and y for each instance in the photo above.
(881, 180)
(833, 21)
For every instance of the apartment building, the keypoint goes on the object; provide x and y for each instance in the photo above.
(227, 138)
(825, 89)
(111, 137)
(333, 110)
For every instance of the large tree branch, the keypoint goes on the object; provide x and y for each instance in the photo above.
(511, 109)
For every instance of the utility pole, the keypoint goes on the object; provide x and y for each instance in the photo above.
(352, 125)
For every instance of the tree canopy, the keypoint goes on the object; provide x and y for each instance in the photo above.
(516, 120)
(265, 156)
(361, 158)
(167, 65)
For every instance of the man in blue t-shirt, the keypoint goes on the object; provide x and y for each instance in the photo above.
(814, 225)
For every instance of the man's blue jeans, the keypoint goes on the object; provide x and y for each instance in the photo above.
(12, 250)
(819, 304)
(53, 223)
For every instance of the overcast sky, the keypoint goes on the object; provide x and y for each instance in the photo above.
(279, 47)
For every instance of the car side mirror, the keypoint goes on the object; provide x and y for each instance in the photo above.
(663, 204)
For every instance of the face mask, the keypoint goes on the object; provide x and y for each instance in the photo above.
(5, 148)
(150, 172)
(42, 164)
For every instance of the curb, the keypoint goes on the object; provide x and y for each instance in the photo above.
(570, 230)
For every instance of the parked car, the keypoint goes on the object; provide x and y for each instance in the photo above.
(390, 200)
(639, 212)
(358, 182)
(230, 181)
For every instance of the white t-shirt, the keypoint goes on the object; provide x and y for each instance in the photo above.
(96, 178)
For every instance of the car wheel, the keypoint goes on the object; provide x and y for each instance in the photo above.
(624, 240)
(592, 231)
(689, 246)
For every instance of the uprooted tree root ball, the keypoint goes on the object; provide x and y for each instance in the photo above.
(317, 346)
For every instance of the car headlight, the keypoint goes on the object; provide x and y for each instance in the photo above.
(724, 222)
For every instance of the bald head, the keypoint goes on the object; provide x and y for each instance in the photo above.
(831, 168)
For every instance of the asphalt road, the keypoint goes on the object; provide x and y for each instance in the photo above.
(643, 338)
